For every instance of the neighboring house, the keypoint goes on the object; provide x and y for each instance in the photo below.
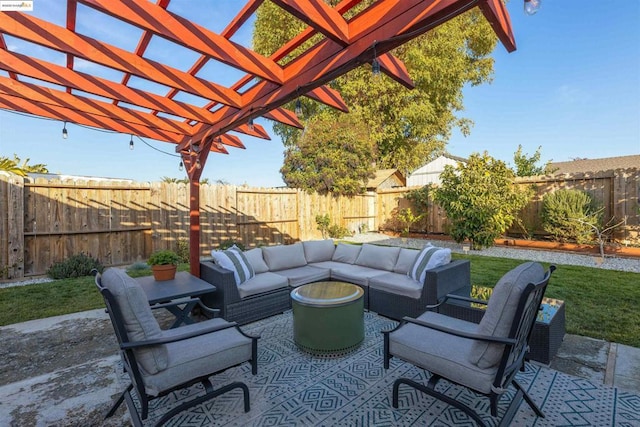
(385, 179)
(430, 173)
(595, 165)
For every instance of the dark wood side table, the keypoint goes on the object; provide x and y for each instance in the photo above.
(180, 291)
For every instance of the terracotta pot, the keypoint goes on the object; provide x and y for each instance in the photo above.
(164, 272)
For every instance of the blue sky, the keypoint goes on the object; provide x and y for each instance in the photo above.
(572, 87)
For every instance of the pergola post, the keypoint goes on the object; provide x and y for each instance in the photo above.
(194, 227)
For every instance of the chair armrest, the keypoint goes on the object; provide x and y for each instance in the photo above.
(457, 298)
(458, 333)
(454, 277)
(177, 337)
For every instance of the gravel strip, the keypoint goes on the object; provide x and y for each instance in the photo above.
(25, 282)
(556, 257)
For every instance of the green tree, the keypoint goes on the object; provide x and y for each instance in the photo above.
(528, 165)
(14, 166)
(480, 199)
(405, 126)
(333, 156)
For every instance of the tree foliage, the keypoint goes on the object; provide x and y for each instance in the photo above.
(528, 165)
(405, 127)
(333, 156)
(14, 166)
(480, 199)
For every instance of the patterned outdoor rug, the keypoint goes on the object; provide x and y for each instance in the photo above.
(293, 388)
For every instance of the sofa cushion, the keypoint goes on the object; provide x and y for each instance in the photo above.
(396, 283)
(501, 310)
(284, 256)
(380, 257)
(234, 259)
(318, 250)
(254, 256)
(356, 274)
(428, 258)
(346, 253)
(263, 282)
(303, 275)
(138, 319)
(406, 257)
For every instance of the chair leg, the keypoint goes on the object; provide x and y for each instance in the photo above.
(207, 396)
(118, 402)
(430, 390)
(528, 399)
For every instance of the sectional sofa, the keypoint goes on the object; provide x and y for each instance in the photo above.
(381, 271)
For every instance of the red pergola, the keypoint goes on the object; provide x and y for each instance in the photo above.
(66, 93)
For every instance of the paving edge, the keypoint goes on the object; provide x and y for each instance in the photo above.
(610, 370)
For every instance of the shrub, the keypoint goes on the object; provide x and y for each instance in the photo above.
(408, 218)
(183, 250)
(323, 222)
(337, 232)
(228, 243)
(75, 266)
(570, 215)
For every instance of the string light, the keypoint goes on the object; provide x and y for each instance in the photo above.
(298, 109)
(198, 165)
(131, 143)
(181, 166)
(531, 7)
(250, 124)
(375, 64)
(65, 134)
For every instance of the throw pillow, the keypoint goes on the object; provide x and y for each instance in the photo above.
(346, 253)
(254, 256)
(233, 259)
(430, 257)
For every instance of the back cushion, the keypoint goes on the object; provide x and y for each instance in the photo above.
(137, 318)
(284, 256)
(346, 253)
(318, 250)
(254, 256)
(234, 259)
(380, 257)
(429, 257)
(406, 257)
(501, 309)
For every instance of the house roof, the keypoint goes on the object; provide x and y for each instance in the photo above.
(381, 176)
(456, 158)
(596, 165)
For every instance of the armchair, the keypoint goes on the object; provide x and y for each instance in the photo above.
(159, 362)
(483, 357)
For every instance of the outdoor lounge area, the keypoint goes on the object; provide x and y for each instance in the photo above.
(291, 387)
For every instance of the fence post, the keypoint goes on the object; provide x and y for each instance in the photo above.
(15, 227)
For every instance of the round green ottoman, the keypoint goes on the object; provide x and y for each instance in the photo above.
(328, 317)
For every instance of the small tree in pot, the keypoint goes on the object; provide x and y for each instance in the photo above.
(164, 264)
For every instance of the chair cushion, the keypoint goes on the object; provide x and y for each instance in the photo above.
(380, 257)
(428, 258)
(234, 259)
(442, 353)
(501, 310)
(303, 275)
(318, 250)
(254, 256)
(406, 258)
(346, 253)
(396, 283)
(198, 356)
(261, 283)
(137, 318)
(284, 256)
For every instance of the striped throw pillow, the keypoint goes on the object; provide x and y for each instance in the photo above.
(233, 259)
(430, 257)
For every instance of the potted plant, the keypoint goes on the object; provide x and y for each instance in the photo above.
(164, 264)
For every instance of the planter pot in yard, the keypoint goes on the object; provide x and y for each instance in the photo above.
(164, 272)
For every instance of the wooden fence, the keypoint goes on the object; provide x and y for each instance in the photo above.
(120, 222)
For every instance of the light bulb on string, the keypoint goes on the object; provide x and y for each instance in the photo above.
(298, 109)
(65, 134)
(198, 165)
(181, 166)
(131, 143)
(531, 7)
(250, 124)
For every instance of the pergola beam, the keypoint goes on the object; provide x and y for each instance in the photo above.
(320, 16)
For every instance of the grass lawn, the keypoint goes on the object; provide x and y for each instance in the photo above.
(599, 303)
